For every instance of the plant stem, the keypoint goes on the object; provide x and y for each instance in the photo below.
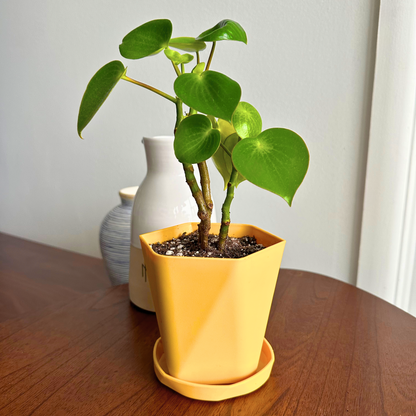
(198, 59)
(210, 56)
(225, 220)
(141, 84)
(179, 114)
(175, 67)
(204, 212)
(225, 149)
(205, 184)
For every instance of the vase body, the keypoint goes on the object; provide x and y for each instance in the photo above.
(115, 238)
(212, 312)
(162, 200)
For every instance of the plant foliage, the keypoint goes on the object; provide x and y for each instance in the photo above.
(217, 124)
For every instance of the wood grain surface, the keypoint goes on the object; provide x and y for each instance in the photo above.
(34, 275)
(339, 351)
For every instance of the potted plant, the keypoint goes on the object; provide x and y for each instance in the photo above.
(212, 312)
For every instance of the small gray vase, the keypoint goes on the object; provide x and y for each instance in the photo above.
(115, 238)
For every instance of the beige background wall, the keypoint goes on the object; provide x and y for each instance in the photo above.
(308, 66)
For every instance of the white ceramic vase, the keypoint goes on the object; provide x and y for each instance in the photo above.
(162, 200)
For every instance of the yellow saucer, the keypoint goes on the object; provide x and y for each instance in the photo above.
(214, 392)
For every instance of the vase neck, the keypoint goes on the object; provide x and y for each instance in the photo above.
(160, 156)
(127, 195)
(126, 202)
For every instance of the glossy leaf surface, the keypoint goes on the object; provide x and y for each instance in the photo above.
(246, 120)
(224, 30)
(276, 160)
(187, 44)
(98, 89)
(221, 159)
(199, 68)
(147, 39)
(178, 58)
(195, 139)
(210, 93)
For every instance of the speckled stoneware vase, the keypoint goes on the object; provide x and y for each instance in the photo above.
(115, 238)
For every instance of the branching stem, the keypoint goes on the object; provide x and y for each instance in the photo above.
(204, 213)
(205, 184)
(155, 90)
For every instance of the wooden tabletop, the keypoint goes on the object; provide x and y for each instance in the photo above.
(339, 351)
(34, 275)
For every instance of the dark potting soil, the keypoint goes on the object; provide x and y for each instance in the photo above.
(187, 245)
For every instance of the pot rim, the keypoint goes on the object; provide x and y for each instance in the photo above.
(143, 239)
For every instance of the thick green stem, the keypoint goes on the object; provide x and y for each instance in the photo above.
(225, 220)
(210, 56)
(155, 90)
(198, 59)
(205, 184)
(204, 212)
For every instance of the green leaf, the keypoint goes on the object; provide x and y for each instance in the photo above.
(224, 30)
(226, 129)
(178, 58)
(213, 121)
(221, 159)
(147, 39)
(246, 120)
(199, 68)
(276, 160)
(195, 139)
(187, 44)
(211, 93)
(97, 91)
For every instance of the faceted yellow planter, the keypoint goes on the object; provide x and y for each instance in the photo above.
(212, 313)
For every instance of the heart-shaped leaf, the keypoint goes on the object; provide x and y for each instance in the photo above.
(97, 91)
(195, 139)
(246, 120)
(224, 30)
(276, 160)
(187, 44)
(210, 93)
(226, 129)
(178, 58)
(199, 68)
(147, 39)
(221, 159)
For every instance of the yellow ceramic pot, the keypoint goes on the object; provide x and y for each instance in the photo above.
(212, 313)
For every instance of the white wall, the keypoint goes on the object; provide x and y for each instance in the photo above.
(308, 66)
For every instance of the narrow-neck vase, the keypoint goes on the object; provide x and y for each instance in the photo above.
(162, 200)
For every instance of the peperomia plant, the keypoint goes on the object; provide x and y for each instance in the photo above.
(217, 124)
